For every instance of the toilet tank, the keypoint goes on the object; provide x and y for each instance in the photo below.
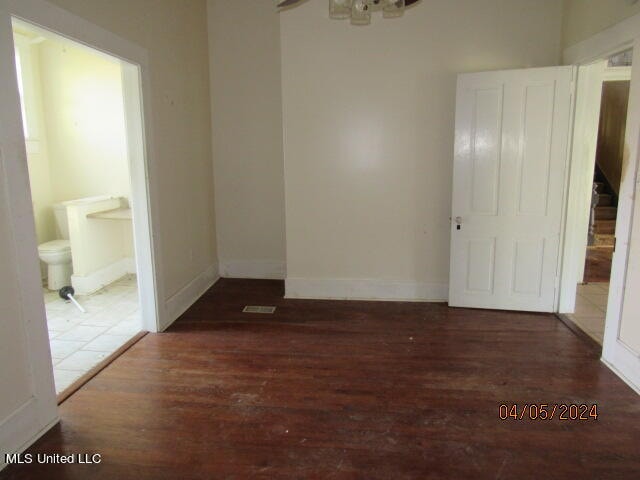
(62, 224)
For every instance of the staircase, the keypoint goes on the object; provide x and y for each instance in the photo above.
(604, 214)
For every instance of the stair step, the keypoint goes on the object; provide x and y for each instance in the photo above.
(605, 227)
(606, 213)
(605, 200)
(600, 186)
(604, 240)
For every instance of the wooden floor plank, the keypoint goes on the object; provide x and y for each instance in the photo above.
(349, 390)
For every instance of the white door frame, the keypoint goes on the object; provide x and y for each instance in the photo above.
(136, 88)
(622, 36)
(591, 79)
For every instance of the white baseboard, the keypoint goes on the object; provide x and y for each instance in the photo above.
(365, 289)
(17, 430)
(178, 303)
(88, 284)
(257, 269)
(625, 366)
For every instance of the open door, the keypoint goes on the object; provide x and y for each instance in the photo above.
(511, 137)
(28, 403)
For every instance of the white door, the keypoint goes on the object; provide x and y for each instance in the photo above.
(27, 395)
(511, 137)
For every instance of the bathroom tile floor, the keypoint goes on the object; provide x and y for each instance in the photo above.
(79, 341)
(591, 309)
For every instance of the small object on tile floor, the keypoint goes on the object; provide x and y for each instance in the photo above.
(66, 293)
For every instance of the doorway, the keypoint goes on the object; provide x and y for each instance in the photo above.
(78, 141)
(36, 406)
(502, 260)
(602, 100)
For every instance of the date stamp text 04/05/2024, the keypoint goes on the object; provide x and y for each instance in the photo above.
(548, 411)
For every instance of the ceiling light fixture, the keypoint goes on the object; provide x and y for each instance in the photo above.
(359, 11)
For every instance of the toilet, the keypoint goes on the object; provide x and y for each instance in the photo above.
(57, 253)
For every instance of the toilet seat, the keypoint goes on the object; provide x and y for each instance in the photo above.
(55, 246)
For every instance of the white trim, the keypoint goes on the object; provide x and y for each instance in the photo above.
(613, 40)
(144, 195)
(55, 19)
(582, 159)
(257, 269)
(624, 35)
(365, 289)
(616, 74)
(632, 382)
(17, 426)
(591, 78)
(179, 302)
(566, 194)
(88, 284)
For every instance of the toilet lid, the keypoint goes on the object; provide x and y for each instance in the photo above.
(55, 246)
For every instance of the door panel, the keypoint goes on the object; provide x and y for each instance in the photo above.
(481, 261)
(512, 132)
(536, 151)
(487, 124)
(528, 267)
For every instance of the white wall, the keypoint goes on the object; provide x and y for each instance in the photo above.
(246, 101)
(584, 18)
(175, 35)
(368, 129)
(83, 109)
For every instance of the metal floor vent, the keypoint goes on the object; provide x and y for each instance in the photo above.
(258, 309)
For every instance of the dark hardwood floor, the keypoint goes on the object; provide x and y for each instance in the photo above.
(348, 390)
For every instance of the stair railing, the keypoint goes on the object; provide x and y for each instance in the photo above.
(595, 199)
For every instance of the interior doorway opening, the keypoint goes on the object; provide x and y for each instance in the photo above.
(78, 145)
(602, 100)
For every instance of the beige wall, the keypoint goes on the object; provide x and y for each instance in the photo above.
(84, 117)
(369, 123)
(247, 132)
(175, 34)
(584, 18)
(37, 147)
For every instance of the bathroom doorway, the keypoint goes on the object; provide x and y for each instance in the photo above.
(79, 145)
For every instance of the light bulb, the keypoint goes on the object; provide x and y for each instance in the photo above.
(340, 9)
(360, 14)
(393, 8)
